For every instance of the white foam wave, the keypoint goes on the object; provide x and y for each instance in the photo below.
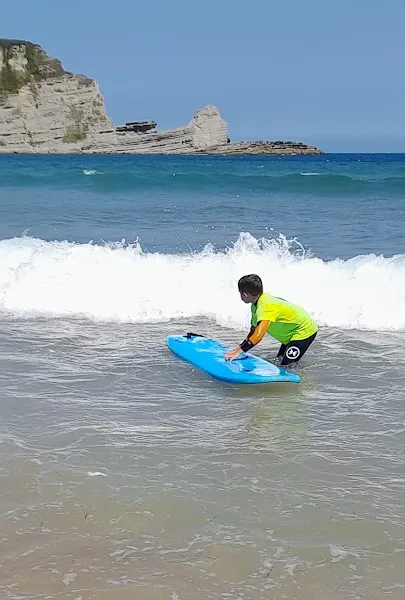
(120, 282)
(91, 172)
(309, 174)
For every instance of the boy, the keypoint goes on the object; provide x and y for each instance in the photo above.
(286, 322)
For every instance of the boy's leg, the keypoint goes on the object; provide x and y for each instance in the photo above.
(295, 350)
(281, 351)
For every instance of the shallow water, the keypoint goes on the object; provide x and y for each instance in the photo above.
(126, 471)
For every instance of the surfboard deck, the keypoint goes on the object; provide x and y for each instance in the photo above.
(209, 356)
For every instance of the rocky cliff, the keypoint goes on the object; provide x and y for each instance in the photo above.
(45, 109)
(206, 130)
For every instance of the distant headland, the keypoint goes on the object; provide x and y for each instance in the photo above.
(44, 109)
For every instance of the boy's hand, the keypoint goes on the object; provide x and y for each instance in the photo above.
(232, 354)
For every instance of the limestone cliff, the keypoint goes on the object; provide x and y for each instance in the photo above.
(45, 109)
(206, 130)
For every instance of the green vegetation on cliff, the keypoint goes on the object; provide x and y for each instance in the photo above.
(37, 65)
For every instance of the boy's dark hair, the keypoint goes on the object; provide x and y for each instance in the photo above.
(251, 284)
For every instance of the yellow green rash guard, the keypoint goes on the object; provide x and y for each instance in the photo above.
(288, 321)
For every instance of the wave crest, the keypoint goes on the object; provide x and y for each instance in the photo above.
(121, 282)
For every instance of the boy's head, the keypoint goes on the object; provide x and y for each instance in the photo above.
(250, 288)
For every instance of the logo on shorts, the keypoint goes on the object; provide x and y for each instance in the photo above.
(293, 352)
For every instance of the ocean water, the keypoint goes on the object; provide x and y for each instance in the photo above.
(128, 474)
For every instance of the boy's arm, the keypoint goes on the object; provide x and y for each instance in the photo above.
(258, 332)
(250, 333)
(252, 339)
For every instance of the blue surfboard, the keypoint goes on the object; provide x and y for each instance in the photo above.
(209, 356)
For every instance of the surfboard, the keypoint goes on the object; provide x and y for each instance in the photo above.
(209, 356)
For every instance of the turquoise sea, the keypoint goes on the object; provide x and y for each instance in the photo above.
(127, 474)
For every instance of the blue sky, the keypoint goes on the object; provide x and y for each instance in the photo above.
(317, 71)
